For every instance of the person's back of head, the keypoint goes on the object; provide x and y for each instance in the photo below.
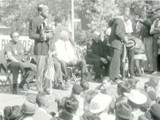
(28, 108)
(76, 89)
(71, 105)
(58, 20)
(155, 111)
(7, 112)
(84, 85)
(12, 113)
(123, 88)
(42, 99)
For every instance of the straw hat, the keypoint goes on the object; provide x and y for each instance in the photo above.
(136, 97)
(29, 107)
(100, 102)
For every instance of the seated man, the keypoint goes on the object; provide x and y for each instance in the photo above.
(98, 56)
(15, 53)
(65, 52)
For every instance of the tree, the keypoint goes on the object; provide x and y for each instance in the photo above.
(17, 13)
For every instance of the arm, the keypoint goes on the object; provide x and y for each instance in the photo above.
(33, 30)
(146, 22)
(120, 29)
(154, 30)
(11, 57)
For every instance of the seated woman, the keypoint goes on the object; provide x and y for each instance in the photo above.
(66, 54)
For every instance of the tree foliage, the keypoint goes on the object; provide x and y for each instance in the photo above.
(17, 13)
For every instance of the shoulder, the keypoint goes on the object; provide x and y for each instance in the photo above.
(8, 46)
(36, 19)
(119, 21)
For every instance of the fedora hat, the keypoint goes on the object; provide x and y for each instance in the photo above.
(29, 107)
(155, 110)
(123, 110)
(136, 97)
(99, 103)
(130, 43)
(153, 82)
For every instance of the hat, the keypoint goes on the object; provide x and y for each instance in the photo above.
(152, 95)
(41, 98)
(16, 112)
(77, 89)
(84, 85)
(7, 111)
(65, 115)
(99, 103)
(142, 117)
(130, 43)
(29, 107)
(111, 90)
(144, 107)
(123, 110)
(155, 110)
(136, 97)
(153, 82)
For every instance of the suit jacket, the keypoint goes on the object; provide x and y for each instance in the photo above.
(117, 35)
(41, 47)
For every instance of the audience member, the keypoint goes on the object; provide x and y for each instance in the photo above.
(76, 92)
(28, 110)
(123, 111)
(69, 111)
(100, 106)
(12, 113)
(155, 111)
(41, 113)
(135, 100)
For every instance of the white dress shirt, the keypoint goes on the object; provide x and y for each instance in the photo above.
(65, 51)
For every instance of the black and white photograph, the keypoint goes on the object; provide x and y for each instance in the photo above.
(79, 59)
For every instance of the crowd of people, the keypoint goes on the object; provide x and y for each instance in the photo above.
(106, 102)
(127, 45)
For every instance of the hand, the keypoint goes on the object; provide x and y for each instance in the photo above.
(49, 35)
(43, 36)
(104, 60)
(125, 39)
(109, 58)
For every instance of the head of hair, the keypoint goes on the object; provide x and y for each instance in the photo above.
(71, 104)
(84, 85)
(58, 19)
(123, 87)
(40, 7)
(11, 34)
(89, 95)
(41, 99)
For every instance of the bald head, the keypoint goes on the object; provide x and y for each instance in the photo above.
(43, 10)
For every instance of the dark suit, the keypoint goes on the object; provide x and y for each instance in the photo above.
(40, 49)
(94, 53)
(116, 39)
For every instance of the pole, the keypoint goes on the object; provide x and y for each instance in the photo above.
(72, 10)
